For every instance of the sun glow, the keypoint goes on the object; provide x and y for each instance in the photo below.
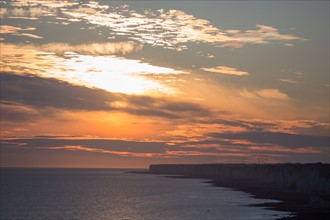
(107, 72)
(114, 74)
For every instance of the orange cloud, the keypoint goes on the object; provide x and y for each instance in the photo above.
(262, 35)
(109, 73)
(31, 35)
(91, 48)
(303, 150)
(199, 153)
(91, 124)
(99, 150)
(272, 93)
(3, 12)
(45, 3)
(226, 70)
(265, 94)
(288, 80)
(8, 29)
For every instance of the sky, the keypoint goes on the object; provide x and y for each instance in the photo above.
(126, 84)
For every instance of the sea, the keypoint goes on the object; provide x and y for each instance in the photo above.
(103, 194)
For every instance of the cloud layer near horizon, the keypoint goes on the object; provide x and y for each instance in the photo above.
(22, 104)
(250, 146)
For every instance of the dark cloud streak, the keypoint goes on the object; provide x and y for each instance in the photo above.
(283, 139)
(42, 93)
(115, 145)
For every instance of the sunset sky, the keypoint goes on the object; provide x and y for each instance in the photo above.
(132, 83)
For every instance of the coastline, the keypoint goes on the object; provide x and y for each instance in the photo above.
(287, 201)
(303, 204)
(297, 203)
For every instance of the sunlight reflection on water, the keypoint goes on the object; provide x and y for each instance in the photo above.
(113, 194)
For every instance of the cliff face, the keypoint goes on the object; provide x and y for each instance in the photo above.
(309, 178)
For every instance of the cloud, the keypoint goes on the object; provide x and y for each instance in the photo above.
(25, 13)
(122, 48)
(250, 145)
(262, 35)
(85, 10)
(221, 148)
(173, 28)
(226, 70)
(39, 93)
(196, 132)
(8, 29)
(113, 147)
(186, 153)
(99, 150)
(3, 12)
(45, 3)
(302, 150)
(105, 72)
(14, 112)
(19, 12)
(36, 12)
(122, 148)
(265, 94)
(272, 93)
(288, 81)
(253, 145)
(161, 107)
(283, 139)
(31, 35)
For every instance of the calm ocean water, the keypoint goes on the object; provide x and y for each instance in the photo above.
(113, 194)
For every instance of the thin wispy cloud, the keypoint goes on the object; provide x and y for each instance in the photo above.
(226, 70)
(262, 35)
(18, 31)
(220, 148)
(272, 93)
(31, 35)
(45, 3)
(281, 139)
(118, 48)
(303, 150)
(3, 12)
(265, 94)
(18, 12)
(288, 81)
(8, 29)
(104, 151)
(25, 13)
